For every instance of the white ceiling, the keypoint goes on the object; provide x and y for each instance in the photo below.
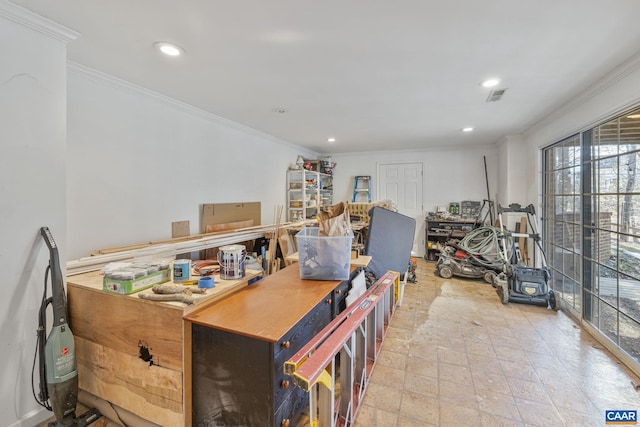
(374, 74)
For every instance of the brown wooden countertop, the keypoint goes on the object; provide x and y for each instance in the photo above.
(267, 309)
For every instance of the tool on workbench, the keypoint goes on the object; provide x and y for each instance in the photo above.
(56, 353)
(189, 282)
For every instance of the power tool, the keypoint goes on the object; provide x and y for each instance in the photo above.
(56, 353)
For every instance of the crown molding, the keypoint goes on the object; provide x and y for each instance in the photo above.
(627, 67)
(118, 83)
(432, 148)
(36, 22)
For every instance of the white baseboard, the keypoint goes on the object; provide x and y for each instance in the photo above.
(33, 418)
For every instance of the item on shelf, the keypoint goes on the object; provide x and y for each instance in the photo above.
(312, 165)
(470, 209)
(439, 231)
(308, 192)
(454, 208)
(327, 165)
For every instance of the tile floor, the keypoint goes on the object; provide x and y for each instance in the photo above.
(455, 356)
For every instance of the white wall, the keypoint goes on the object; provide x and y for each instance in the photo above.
(449, 175)
(139, 161)
(32, 191)
(513, 163)
(614, 93)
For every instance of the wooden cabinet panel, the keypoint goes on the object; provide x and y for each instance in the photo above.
(230, 379)
(238, 380)
(151, 392)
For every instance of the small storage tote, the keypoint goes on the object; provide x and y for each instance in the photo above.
(323, 258)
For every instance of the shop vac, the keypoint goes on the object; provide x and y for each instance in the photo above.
(58, 388)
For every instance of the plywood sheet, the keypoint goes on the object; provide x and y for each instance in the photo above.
(221, 213)
(180, 229)
(126, 323)
(214, 228)
(522, 241)
(151, 392)
(212, 253)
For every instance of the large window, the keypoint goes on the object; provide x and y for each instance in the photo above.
(562, 216)
(592, 227)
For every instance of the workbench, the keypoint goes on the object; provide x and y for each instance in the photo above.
(167, 362)
(131, 351)
(239, 345)
(439, 231)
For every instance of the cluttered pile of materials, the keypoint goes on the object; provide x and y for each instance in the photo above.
(325, 251)
(495, 255)
(477, 255)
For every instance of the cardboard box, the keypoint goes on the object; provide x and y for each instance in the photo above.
(227, 216)
(222, 213)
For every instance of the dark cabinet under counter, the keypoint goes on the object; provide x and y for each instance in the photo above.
(240, 343)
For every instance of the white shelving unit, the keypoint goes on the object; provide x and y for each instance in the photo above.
(308, 192)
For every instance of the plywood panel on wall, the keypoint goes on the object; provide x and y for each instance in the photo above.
(221, 213)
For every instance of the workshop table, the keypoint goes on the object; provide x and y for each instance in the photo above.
(130, 351)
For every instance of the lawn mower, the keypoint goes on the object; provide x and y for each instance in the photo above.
(453, 261)
(519, 282)
(476, 255)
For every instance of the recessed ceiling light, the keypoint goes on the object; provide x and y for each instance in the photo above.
(490, 83)
(634, 116)
(467, 129)
(169, 49)
(331, 140)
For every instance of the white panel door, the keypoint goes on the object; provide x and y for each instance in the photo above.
(402, 183)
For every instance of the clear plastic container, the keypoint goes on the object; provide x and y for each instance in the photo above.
(323, 258)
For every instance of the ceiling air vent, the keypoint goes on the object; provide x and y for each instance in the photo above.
(496, 95)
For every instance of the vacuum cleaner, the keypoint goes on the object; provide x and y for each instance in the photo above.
(56, 353)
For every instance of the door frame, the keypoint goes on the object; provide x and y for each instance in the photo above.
(418, 243)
